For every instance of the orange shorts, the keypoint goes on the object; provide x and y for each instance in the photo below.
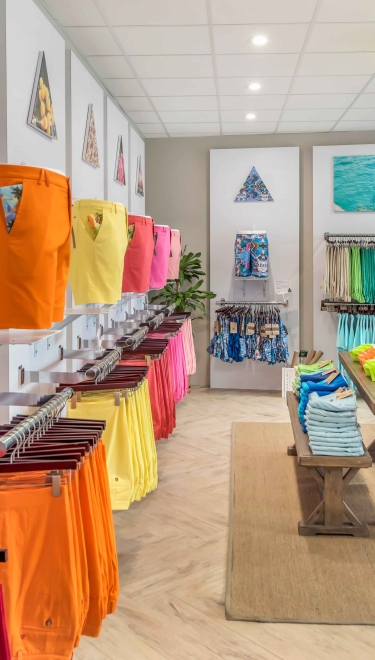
(35, 226)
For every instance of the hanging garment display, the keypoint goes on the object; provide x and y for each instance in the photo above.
(350, 268)
(251, 254)
(4, 639)
(245, 331)
(99, 241)
(35, 226)
(187, 338)
(161, 256)
(138, 257)
(175, 255)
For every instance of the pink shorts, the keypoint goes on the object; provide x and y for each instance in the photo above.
(175, 255)
(160, 259)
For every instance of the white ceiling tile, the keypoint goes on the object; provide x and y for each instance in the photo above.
(131, 103)
(320, 100)
(123, 87)
(240, 86)
(240, 116)
(360, 114)
(248, 127)
(266, 101)
(71, 12)
(336, 64)
(141, 117)
(365, 101)
(167, 40)
(339, 11)
(329, 84)
(259, 65)
(355, 126)
(198, 135)
(173, 66)
(253, 11)
(151, 128)
(180, 87)
(93, 40)
(371, 87)
(341, 37)
(189, 116)
(170, 103)
(192, 128)
(110, 66)
(237, 38)
(315, 114)
(153, 135)
(305, 126)
(156, 12)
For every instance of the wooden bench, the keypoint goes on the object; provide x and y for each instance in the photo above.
(364, 385)
(332, 474)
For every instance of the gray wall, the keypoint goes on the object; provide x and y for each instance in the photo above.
(177, 181)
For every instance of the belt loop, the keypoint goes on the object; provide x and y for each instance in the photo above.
(116, 209)
(46, 175)
(41, 176)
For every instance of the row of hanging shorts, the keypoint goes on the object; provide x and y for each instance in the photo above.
(350, 269)
(247, 331)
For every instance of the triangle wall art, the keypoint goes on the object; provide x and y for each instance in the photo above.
(120, 163)
(139, 178)
(41, 115)
(90, 152)
(254, 189)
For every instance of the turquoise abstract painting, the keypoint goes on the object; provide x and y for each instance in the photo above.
(353, 184)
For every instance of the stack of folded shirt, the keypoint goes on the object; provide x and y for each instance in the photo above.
(369, 368)
(356, 352)
(366, 355)
(332, 426)
(303, 371)
(321, 387)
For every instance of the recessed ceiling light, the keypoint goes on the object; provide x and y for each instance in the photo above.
(254, 86)
(251, 116)
(259, 40)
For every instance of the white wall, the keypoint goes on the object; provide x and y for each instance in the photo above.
(137, 148)
(326, 220)
(87, 181)
(27, 32)
(117, 125)
(279, 169)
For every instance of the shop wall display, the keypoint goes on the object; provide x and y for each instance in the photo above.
(137, 148)
(41, 112)
(254, 189)
(117, 137)
(139, 178)
(279, 168)
(326, 219)
(120, 163)
(90, 146)
(354, 184)
(32, 42)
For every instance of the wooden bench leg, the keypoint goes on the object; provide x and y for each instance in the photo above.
(328, 517)
(371, 450)
(292, 451)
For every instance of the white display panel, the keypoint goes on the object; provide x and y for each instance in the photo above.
(137, 148)
(327, 220)
(87, 181)
(279, 169)
(117, 124)
(28, 32)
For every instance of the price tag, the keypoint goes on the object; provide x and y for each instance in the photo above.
(329, 371)
(250, 328)
(323, 363)
(332, 377)
(233, 328)
(343, 395)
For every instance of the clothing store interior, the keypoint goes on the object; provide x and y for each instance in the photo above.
(187, 330)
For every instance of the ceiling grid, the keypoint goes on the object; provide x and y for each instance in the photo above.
(213, 67)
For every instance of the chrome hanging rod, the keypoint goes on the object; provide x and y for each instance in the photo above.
(237, 303)
(348, 235)
(47, 412)
(99, 370)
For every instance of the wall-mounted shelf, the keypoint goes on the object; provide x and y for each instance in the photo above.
(251, 278)
(10, 337)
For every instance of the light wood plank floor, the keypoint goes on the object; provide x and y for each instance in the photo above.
(172, 553)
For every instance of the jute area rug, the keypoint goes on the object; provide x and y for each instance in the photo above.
(275, 575)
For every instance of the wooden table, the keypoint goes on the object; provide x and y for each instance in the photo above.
(364, 385)
(332, 474)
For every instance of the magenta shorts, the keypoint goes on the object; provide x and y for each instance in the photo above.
(175, 255)
(160, 260)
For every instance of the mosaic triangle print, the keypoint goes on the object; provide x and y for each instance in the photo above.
(120, 163)
(41, 112)
(254, 189)
(139, 189)
(11, 197)
(90, 146)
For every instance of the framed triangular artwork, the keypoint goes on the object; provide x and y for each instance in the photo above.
(139, 178)
(90, 152)
(120, 163)
(41, 115)
(254, 189)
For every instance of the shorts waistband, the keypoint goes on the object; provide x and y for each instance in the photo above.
(141, 220)
(103, 203)
(162, 230)
(40, 174)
